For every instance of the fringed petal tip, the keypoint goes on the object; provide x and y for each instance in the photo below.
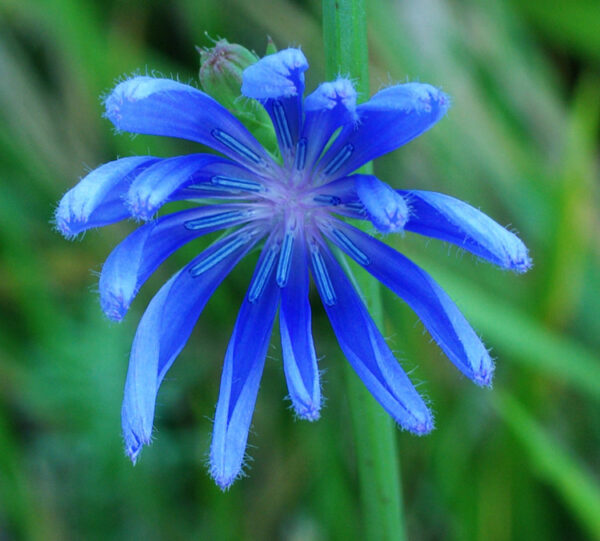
(417, 97)
(506, 249)
(135, 89)
(225, 475)
(331, 95)
(71, 226)
(452, 220)
(65, 226)
(412, 413)
(426, 97)
(141, 202)
(114, 307)
(479, 366)
(517, 259)
(137, 431)
(484, 376)
(307, 411)
(141, 209)
(224, 482)
(134, 446)
(385, 207)
(133, 452)
(421, 427)
(67, 221)
(97, 199)
(279, 75)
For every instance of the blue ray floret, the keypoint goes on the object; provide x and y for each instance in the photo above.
(293, 209)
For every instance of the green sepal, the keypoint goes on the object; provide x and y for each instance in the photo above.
(271, 47)
(221, 68)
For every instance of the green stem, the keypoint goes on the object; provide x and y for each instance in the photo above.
(345, 37)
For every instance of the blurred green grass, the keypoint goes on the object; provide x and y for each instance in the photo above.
(521, 143)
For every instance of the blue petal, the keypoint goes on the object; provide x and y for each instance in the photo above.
(221, 179)
(385, 207)
(338, 95)
(279, 75)
(163, 331)
(153, 187)
(331, 106)
(132, 262)
(242, 370)
(367, 350)
(391, 118)
(141, 385)
(97, 199)
(439, 314)
(299, 358)
(340, 196)
(449, 219)
(277, 81)
(165, 107)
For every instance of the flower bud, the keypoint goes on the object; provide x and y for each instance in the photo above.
(221, 69)
(271, 47)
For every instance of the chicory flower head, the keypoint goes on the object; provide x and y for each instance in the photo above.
(295, 207)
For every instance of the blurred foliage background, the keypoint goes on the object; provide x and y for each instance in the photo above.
(521, 142)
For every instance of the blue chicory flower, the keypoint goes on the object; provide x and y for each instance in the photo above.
(293, 206)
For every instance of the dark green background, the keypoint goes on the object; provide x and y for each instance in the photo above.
(520, 142)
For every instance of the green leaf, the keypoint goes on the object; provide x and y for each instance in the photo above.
(553, 464)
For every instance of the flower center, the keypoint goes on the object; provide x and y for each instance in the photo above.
(289, 200)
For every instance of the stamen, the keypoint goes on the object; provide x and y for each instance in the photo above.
(281, 124)
(324, 199)
(300, 155)
(236, 146)
(218, 255)
(220, 218)
(353, 251)
(285, 259)
(237, 183)
(208, 187)
(322, 277)
(264, 271)
(359, 207)
(340, 159)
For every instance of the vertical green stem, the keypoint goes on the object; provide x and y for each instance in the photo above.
(345, 37)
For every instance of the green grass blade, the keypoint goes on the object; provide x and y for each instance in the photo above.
(553, 464)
